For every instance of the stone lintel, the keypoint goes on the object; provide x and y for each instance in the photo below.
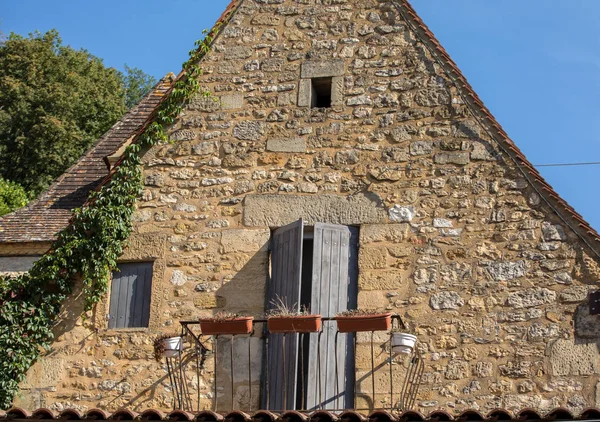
(279, 210)
(322, 69)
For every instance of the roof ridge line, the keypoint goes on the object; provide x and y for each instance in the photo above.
(426, 36)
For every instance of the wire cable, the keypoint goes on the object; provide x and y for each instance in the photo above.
(590, 163)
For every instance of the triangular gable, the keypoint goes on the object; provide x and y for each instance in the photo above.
(566, 213)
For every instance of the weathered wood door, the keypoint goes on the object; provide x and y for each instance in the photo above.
(334, 289)
(285, 285)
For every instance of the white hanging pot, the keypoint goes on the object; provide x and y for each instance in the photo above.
(173, 346)
(403, 343)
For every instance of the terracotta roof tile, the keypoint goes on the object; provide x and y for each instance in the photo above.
(43, 218)
(295, 416)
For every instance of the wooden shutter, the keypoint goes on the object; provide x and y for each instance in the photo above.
(285, 283)
(334, 289)
(130, 295)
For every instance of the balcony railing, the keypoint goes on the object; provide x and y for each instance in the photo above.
(244, 372)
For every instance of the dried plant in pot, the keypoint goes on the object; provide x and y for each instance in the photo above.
(285, 319)
(226, 323)
(356, 320)
(167, 345)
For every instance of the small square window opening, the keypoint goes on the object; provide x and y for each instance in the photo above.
(321, 93)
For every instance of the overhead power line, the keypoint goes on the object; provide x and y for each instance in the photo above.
(590, 163)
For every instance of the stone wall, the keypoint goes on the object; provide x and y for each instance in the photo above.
(452, 237)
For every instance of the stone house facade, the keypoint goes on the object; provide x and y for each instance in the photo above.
(346, 114)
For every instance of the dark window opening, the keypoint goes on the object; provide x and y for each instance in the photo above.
(321, 93)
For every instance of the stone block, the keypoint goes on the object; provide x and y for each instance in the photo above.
(570, 359)
(205, 148)
(294, 144)
(337, 91)
(372, 258)
(456, 370)
(241, 240)
(515, 369)
(458, 158)
(446, 300)
(382, 280)
(402, 214)
(45, 373)
(182, 135)
(505, 270)
(322, 69)
(178, 278)
(552, 232)
(232, 102)
(205, 103)
(574, 294)
(531, 297)
(372, 300)
(207, 300)
(370, 233)
(279, 210)
(304, 93)
(249, 130)
(483, 369)
(421, 148)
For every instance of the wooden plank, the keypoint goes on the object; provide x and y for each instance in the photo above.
(114, 300)
(334, 288)
(285, 283)
(123, 289)
(137, 298)
(147, 295)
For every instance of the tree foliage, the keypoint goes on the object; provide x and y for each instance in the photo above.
(54, 103)
(12, 196)
(87, 249)
(136, 84)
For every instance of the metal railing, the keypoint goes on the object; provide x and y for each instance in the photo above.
(402, 396)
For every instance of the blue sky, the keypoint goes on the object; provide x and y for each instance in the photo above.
(534, 63)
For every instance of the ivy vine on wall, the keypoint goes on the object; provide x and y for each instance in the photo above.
(87, 250)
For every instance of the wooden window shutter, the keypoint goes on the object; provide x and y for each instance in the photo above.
(130, 295)
(285, 283)
(334, 289)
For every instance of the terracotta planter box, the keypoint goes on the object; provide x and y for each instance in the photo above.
(294, 324)
(213, 327)
(356, 323)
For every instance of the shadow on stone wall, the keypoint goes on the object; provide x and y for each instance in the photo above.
(244, 294)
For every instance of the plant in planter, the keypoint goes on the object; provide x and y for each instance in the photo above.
(226, 323)
(355, 320)
(285, 319)
(167, 345)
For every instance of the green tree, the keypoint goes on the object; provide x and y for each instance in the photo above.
(12, 196)
(54, 103)
(136, 84)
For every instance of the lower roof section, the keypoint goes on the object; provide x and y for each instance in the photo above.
(558, 414)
